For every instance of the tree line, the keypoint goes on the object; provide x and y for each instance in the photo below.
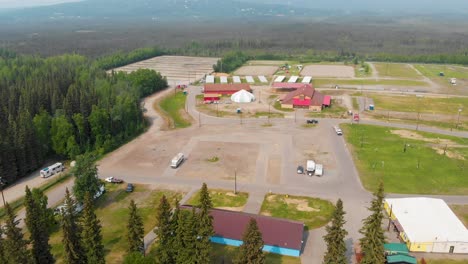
(65, 106)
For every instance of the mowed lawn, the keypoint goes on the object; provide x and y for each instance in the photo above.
(173, 106)
(222, 198)
(226, 255)
(396, 70)
(313, 212)
(380, 155)
(448, 106)
(450, 71)
(112, 211)
(355, 82)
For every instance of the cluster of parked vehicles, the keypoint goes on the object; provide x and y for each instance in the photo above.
(311, 169)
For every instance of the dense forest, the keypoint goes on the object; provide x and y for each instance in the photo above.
(64, 106)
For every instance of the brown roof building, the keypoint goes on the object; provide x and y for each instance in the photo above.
(280, 236)
(304, 97)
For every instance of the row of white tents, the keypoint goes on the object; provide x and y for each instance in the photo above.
(293, 79)
(235, 79)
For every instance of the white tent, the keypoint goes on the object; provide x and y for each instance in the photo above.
(242, 96)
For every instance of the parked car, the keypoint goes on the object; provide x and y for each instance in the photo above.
(100, 192)
(113, 180)
(129, 187)
(312, 121)
(300, 169)
(338, 130)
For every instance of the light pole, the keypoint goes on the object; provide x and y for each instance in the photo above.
(235, 181)
(458, 119)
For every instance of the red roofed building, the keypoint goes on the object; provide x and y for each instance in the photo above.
(284, 86)
(280, 236)
(225, 89)
(304, 97)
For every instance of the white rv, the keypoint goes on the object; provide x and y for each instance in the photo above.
(51, 170)
(177, 160)
(319, 169)
(310, 168)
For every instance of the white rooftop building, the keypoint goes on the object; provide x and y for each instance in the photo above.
(242, 96)
(427, 225)
(210, 79)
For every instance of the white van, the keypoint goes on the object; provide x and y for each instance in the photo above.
(310, 168)
(318, 169)
(51, 170)
(177, 160)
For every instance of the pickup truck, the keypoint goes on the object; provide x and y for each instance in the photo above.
(338, 130)
(113, 180)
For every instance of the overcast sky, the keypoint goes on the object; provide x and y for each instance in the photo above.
(25, 3)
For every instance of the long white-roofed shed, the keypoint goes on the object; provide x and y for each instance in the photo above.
(427, 225)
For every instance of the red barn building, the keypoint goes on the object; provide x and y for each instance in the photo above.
(226, 89)
(304, 97)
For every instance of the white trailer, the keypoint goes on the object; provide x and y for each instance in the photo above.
(51, 170)
(177, 160)
(310, 168)
(319, 169)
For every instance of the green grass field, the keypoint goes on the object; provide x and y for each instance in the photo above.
(396, 70)
(112, 211)
(172, 106)
(222, 198)
(450, 71)
(344, 82)
(313, 212)
(423, 168)
(412, 103)
(462, 125)
(334, 111)
(226, 255)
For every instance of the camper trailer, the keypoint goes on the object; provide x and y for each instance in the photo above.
(51, 170)
(177, 160)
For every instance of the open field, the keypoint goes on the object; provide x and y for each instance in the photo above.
(396, 70)
(313, 212)
(421, 167)
(328, 71)
(229, 163)
(175, 68)
(336, 110)
(450, 71)
(172, 107)
(256, 70)
(275, 63)
(438, 105)
(226, 255)
(223, 199)
(112, 211)
(461, 211)
(356, 82)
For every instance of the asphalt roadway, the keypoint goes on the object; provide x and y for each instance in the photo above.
(345, 184)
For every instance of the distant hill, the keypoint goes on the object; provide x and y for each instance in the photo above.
(156, 10)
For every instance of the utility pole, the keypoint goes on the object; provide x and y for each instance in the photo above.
(235, 181)
(295, 116)
(458, 119)
(199, 120)
(269, 111)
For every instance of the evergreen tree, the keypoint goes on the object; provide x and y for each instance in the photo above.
(336, 246)
(205, 230)
(91, 234)
(186, 236)
(85, 171)
(15, 246)
(2, 247)
(173, 226)
(42, 202)
(138, 258)
(373, 234)
(74, 252)
(36, 221)
(251, 251)
(163, 231)
(135, 230)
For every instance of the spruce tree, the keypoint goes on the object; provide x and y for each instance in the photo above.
(173, 226)
(74, 252)
(251, 251)
(91, 234)
(163, 231)
(372, 243)
(135, 230)
(186, 236)
(205, 230)
(38, 226)
(336, 246)
(2, 247)
(15, 246)
(46, 213)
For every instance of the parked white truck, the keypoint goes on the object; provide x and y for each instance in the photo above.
(177, 160)
(319, 169)
(51, 170)
(310, 168)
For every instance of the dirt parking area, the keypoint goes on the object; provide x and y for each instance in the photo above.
(256, 70)
(220, 160)
(328, 71)
(177, 69)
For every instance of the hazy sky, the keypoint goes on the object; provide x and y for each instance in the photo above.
(24, 3)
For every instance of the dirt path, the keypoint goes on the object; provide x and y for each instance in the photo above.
(375, 73)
